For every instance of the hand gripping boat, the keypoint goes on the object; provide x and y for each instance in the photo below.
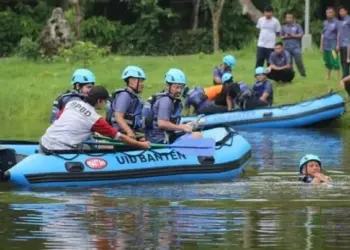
(302, 114)
(231, 155)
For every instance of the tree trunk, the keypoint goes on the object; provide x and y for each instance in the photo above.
(196, 5)
(216, 10)
(64, 4)
(78, 18)
(249, 9)
(216, 35)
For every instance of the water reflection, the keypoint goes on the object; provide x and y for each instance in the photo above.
(110, 223)
(282, 149)
(264, 210)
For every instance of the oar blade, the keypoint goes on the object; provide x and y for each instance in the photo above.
(194, 146)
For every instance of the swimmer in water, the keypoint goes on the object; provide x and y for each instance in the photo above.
(310, 170)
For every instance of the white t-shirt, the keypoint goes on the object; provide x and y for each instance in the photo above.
(72, 128)
(268, 29)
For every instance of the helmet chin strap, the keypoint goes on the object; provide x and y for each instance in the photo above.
(137, 86)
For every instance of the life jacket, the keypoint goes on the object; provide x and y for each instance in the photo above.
(245, 94)
(196, 97)
(134, 117)
(306, 178)
(220, 71)
(213, 91)
(259, 89)
(149, 117)
(62, 100)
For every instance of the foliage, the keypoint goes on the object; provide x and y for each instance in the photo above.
(149, 28)
(29, 49)
(99, 30)
(84, 52)
(294, 6)
(10, 32)
(235, 30)
(317, 26)
(22, 21)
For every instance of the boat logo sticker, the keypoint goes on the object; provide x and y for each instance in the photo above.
(96, 163)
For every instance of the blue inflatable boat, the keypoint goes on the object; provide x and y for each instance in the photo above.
(303, 114)
(126, 166)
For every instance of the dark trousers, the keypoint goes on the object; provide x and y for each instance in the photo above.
(262, 54)
(296, 56)
(343, 59)
(254, 103)
(285, 75)
(211, 109)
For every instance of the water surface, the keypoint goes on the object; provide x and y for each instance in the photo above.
(267, 208)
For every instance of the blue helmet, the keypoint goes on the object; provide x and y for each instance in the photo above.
(229, 61)
(260, 71)
(306, 159)
(83, 76)
(226, 77)
(133, 71)
(175, 76)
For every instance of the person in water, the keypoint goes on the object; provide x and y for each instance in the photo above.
(163, 112)
(82, 80)
(79, 120)
(228, 64)
(262, 89)
(127, 105)
(310, 169)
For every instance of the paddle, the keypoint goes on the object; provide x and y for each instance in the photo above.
(185, 144)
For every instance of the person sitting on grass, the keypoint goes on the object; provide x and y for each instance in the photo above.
(310, 170)
(262, 90)
(127, 105)
(163, 113)
(78, 121)
(226, 67)
(345, 84)
(82, 80)
(280, 69)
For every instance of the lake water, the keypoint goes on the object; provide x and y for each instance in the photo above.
(266, 209)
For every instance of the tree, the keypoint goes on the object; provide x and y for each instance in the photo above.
(249, 9)
(216, 10)
(196, 5)
(78, 18)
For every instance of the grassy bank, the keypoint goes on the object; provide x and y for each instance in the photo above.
(28, 88)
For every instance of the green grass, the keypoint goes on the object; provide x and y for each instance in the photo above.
(10, 197)
(29, 88)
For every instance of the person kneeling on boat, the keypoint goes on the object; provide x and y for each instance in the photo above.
(198, 99)
(345, 84)
(82, 80)
(236, 94)
(126, 103)
(262, 89)
(226, 67)
(78, 121)
(162, 114)
(310, 170)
